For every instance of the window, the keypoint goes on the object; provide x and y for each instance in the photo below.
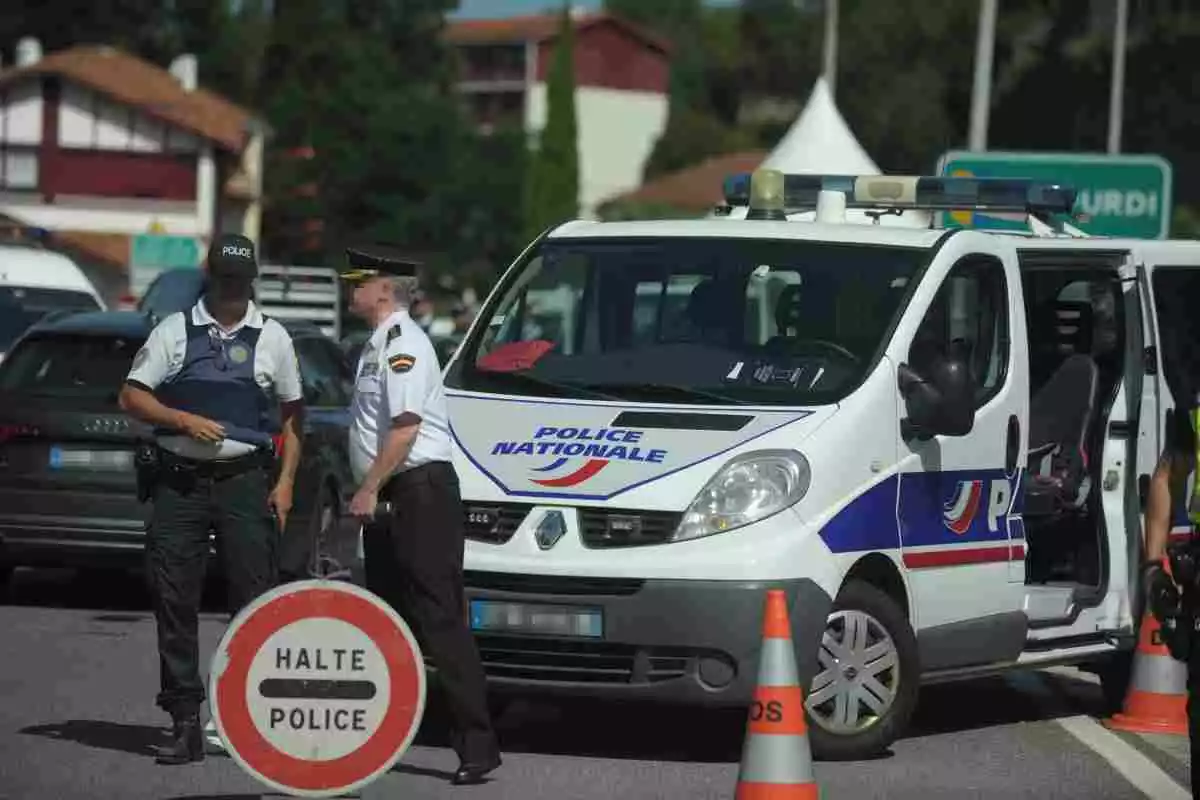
(323, 372)
(18, 167)
(70, 366)
(689, 320)
(21, 306)
(969, 312)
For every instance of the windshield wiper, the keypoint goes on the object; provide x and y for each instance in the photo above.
(686, 392)
(533, 380)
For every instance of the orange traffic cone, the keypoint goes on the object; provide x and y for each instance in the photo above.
(1156, 701)
(776, 760)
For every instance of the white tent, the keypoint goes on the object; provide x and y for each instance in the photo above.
(820, 142)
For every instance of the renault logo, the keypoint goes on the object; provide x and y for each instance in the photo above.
(106, 425)
(552, 528)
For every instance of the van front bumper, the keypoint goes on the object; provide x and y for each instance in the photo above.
(690, 642)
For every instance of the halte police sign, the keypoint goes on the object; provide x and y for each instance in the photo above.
(1121, 195)
(317, 688)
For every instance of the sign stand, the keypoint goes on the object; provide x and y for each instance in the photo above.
(317, 688)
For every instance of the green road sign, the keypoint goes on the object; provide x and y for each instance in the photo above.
(152, 253)
(1119, 195)
(164, 252)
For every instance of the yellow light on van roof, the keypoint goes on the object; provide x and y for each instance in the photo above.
(766, 195)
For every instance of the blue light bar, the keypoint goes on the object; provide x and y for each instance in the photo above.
(947, 194)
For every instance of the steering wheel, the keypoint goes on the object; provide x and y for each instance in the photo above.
(832, 346)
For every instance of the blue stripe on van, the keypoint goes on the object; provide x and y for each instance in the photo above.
(924, 504)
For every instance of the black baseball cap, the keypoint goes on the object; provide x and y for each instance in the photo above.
(232, 255)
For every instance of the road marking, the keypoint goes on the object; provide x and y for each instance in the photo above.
(1126, 759)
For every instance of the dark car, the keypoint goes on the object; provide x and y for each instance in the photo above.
(67, 478)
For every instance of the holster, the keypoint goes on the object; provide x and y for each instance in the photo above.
(147, 469)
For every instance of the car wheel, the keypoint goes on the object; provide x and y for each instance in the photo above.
(1115, 674)
(868, 673)
(321, 527)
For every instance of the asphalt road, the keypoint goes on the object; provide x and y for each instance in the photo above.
(78, 675)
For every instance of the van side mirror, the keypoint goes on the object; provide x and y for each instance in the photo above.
(941, 403)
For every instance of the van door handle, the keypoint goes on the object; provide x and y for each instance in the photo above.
(1013, 445)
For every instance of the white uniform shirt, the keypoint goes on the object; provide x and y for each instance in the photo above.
(398, 374)
(161, 358)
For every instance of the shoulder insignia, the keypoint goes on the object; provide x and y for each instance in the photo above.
(401, 362)
(394, 332)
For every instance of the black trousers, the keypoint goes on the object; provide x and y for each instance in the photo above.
(1193, 712)
(186, 507)
(414, 562)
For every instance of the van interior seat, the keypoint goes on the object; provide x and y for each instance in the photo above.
(1060, 416)
(705, 313)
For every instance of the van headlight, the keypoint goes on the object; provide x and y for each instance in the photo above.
(748, 488)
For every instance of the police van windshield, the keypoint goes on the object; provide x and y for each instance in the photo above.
(689, 321)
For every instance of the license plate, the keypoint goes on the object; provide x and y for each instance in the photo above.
(69, 458)
(497, 616)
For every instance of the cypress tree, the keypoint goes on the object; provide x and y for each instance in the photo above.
(552, 189)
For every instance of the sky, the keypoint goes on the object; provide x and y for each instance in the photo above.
(480, 9)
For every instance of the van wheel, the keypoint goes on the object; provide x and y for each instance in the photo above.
(320, 560)
(1115, 674)
(867, 677)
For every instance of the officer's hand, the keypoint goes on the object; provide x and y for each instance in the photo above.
(204, 430)
(280, 501)
(362, 505)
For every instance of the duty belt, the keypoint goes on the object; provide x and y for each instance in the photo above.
(216, 469)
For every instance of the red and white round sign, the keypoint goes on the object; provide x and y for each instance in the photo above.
(317, 688)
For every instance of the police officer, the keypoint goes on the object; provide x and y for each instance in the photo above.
(206, 380)
(400, 452)
(1175, 605)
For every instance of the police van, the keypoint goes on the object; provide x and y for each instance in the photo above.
(939, 448)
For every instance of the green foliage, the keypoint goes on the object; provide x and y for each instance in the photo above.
(553, 182)
(619, 210)
(690, 137)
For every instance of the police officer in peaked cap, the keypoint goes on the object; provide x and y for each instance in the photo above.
(206, 380)
(400, 452)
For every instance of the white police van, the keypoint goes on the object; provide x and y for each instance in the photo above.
(939, 448)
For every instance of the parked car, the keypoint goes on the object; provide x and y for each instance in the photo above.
(67, 479)
(35, 282)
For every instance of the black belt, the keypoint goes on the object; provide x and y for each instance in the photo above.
(223, 468)
(432, 472)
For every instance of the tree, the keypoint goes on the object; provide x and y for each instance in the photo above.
(553, 181)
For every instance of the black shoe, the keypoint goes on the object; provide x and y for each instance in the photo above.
(187, 742)
(472, 773)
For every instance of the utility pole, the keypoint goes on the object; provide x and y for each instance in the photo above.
(830, 48)
(981, 91)
(1116, 97)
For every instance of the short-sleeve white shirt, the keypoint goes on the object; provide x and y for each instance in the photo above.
(161, 358)
(398, 373)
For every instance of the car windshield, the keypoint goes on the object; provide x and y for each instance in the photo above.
(689, 320)
(22, 306)
(69, 365)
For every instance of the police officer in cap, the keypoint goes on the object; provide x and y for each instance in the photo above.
(400, 452)
(206, 380)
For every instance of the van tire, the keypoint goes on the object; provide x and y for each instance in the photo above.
(865, 603)
(1115, 674)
